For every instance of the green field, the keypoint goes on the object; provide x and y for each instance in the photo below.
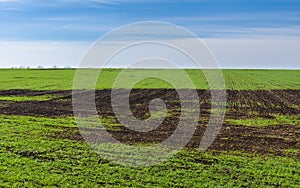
(234, 79)
(259, 144)
(33, 156)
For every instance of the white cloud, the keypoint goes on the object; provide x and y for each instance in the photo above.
(113, 2)
(254, 16)
(219, 31)
(280, 53)
(45, 53)
(9, 1)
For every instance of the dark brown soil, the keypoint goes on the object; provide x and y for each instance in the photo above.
(275, 140)
(241, 105)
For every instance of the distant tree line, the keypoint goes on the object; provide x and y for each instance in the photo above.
(40, 67)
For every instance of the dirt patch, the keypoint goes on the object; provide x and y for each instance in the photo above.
(274, 140)
(241, 104)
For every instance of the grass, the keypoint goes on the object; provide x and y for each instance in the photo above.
(262, 79)
(38, 151)
(27, 98)
(63, 79)
(31, 157)
(263, 122)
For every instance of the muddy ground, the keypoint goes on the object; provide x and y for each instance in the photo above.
(240, 105)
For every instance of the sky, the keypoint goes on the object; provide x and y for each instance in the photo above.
(240, 33)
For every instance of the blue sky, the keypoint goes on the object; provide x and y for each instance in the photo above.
(30, 23)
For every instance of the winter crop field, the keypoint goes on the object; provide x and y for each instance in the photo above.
(62, 79)
(258, 145)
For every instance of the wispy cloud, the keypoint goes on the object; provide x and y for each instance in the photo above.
(110, 2)
(270, 53)
(10, 1)
(270, 16)
(215, 31)
(230, 53)
(44, 53)
(226, 22)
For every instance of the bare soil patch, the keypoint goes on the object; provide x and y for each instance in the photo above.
(241, 104)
